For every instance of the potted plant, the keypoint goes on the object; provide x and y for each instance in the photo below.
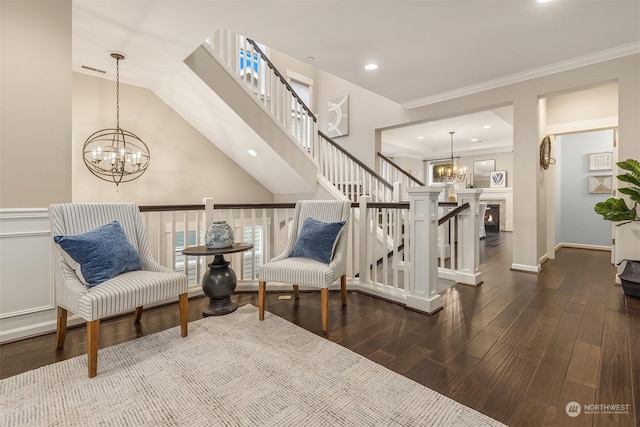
(616, 210)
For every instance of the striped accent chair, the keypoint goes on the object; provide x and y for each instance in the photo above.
(309, 272)
(126, 292)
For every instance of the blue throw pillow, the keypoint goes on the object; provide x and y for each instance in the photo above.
(100, 254)
(316, 240)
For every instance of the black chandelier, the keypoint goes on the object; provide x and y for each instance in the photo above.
(116, 155)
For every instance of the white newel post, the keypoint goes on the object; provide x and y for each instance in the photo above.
(423, 254)
(363, 235)
(468, 271)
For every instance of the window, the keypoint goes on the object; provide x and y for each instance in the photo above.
(251, 260)
(252, 68)
(251, 263)
(303, 87)
(179, 246)
(250, 60)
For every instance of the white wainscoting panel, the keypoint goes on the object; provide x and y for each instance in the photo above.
(27, 294)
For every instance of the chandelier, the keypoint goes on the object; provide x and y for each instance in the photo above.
(451, 172)
(116, 155)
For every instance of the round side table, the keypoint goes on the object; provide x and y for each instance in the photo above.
(219, 282)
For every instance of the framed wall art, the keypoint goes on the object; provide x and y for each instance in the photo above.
(498, 179)
(600, 184)
(338, 115)
(600, 161)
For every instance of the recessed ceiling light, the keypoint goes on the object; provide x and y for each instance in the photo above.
(371, 66)
(421, 137)
(486, 127)
(253, 153)
(544, 1)
(474, 140)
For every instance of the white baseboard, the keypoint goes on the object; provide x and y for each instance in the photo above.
(582, 246)
(526, 268)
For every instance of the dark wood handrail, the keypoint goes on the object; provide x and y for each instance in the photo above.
(282, 78)
(169, 208)
(356, 160)
(453, 213)
(379, 205)
(402, 171)
(254, 206)
(387, 205)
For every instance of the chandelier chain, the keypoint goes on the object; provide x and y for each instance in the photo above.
(117, 93)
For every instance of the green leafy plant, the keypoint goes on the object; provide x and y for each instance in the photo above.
(614, 209)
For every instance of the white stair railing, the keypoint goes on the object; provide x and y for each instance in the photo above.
(245, 59)
(393, 247)
(459, 239)
(349, 174)
(392, 172)
(383, 248)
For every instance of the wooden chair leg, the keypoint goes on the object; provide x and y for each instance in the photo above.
(296, 291)
(184, 314)
(324, 306)
(138, 314)
(262, 290)
(343, 289)
(93, 338)
(61, 330)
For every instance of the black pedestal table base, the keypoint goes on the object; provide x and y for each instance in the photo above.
(219, 282)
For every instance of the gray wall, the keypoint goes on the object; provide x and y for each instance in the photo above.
(578, 223)
(35, 107)
(185, 166)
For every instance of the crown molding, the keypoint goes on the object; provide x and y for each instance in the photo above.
(605, 55)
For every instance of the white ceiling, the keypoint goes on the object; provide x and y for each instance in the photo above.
(484, 132)
(426, 49)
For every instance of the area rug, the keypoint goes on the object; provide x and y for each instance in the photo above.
(231, 370)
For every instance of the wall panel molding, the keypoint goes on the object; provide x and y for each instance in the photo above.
(27, 287)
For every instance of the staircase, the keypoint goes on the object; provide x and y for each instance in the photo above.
(236, 70)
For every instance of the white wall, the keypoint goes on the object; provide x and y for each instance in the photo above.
(412, 165)
(368, 111)
(579, 110)
(185, 166)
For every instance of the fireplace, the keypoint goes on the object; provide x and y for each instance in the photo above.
(492, 218)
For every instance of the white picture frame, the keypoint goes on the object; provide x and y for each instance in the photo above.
(601, 161)
(498, 179)
(600, 184)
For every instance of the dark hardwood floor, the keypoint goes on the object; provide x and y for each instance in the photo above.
(518, 348)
